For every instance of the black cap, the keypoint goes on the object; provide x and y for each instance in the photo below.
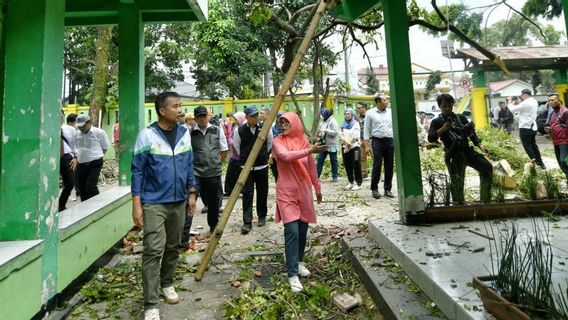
(200, 111)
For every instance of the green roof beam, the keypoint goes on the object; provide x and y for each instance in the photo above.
(350, 10)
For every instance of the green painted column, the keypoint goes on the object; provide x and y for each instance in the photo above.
(408, 172)
(32, 80)
(131, 84)
(565, 5)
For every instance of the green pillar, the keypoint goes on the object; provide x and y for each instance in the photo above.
(408, 172)
(29, 152)
(131, 83)
(565, 5)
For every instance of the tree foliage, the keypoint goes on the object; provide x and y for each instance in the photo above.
(467, 21)
(228, 56)
(546, 8)
(433, 79)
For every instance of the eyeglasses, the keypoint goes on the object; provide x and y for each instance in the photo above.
(283, 124)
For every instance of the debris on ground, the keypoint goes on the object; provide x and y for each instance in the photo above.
(346, 302)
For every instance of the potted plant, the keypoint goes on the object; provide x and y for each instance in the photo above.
(521, 284)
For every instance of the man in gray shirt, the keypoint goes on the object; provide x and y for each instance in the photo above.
(210, 147)
(378, 130)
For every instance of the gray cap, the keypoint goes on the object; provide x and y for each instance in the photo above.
(82, 119)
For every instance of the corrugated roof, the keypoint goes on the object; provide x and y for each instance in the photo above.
(500, 85)
(516, 58)
(520, 53)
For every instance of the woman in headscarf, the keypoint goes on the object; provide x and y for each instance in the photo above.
(350, 133)
(328, 130)
(294, 198)
(234, 167)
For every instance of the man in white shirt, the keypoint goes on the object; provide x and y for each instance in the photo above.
(92, 144)
(527, 110)
(378, 129)
(66, 168)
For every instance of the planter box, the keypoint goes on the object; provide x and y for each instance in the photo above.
(495, 304)
(494, 210)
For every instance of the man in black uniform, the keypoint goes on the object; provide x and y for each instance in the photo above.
(243, 141)
(455, 131)
(505, 117)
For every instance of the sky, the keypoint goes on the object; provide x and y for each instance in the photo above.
(425, 49)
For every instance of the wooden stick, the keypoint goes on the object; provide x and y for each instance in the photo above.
(230, 205)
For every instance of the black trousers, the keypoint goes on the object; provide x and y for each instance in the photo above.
(274, 169)
(258, 178)
(352, 163)
(232, 175)
(68, 178)
(88, 176)
(383, 151)
(211, 192)
(457, 164)
(529, 144)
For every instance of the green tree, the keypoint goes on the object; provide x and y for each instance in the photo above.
(547, 8)
(467, 21)
(433, 79)
(228, 57)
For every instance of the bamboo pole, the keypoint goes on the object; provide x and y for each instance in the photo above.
(218, 232)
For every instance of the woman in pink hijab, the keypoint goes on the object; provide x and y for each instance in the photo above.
(294, 199)
(234, 167)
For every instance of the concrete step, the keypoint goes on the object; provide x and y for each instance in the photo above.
(392, 291)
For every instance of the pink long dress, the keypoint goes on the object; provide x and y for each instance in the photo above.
(296, 174)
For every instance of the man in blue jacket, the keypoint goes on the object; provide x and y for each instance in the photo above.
(162, 184)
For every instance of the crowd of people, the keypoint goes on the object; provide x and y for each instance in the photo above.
(179, 158)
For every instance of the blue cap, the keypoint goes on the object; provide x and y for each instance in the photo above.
(280, 113)
(251, 111)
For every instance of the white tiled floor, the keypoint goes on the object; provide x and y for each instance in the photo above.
(441, 258)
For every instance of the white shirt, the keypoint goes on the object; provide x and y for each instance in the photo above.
(69, 133)
(527, 113)
(378, 124)
(237, 143)
(92, 145)
(222, 139)
(352, 135)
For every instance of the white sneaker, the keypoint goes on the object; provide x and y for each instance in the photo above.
(295, 284)
(152, 314)
(302, 270)
(349, 186)
(170, 295)
(356, 188)
(72, 199)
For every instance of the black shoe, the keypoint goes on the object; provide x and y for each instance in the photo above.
(389, 194)
(204, 210)
(246, 228)
(261, 222)
(376, 194)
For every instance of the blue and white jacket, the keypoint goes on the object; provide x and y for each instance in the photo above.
(160, 174)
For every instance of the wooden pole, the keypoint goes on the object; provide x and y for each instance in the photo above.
(218, 232)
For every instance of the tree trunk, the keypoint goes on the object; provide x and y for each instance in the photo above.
(316, 89)
(276, 75)
(101, 73)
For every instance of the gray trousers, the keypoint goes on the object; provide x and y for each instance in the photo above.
(163, 224)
